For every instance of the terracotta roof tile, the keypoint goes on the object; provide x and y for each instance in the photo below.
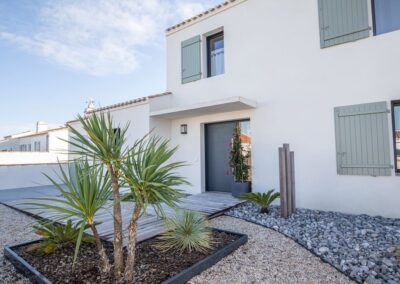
(126, 103)
(211, 10)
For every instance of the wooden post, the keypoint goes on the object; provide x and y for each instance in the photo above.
(293, 182)
(283, 182)
(287, 181)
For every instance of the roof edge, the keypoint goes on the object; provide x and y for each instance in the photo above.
(202, 16)
(124, 104)
(34, 133)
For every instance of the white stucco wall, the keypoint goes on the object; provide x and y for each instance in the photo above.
(26, 158)
(191, 145)
(21, 176)
(273, 56)
(57, 143)
(137, 115)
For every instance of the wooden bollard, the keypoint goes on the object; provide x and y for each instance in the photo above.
(287, 181)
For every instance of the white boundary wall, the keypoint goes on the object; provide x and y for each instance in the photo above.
(20, 176)
(28, 158)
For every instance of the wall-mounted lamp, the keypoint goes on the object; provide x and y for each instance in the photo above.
(183, 128)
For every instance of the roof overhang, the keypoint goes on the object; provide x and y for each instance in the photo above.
(205, 108)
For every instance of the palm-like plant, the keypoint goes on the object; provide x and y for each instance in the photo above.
(152, 181)
(262, 199)
(56, 236)
(83, 197)
(185, 232)
(105, 142)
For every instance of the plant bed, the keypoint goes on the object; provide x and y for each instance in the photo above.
(152, 265)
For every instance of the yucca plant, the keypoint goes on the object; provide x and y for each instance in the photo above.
(56, 236)
(104, 141)
(263, 199)
(186, 231)
(83, 197)
(152, 180)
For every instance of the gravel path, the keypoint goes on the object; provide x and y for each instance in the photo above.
(14, 227)
(363, 247)
(268, 257)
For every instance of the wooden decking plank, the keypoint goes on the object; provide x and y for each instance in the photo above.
(149, 225)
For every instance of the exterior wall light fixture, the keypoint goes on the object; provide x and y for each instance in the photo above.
(183, 128)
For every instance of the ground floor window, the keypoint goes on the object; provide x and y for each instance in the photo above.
(396, 133)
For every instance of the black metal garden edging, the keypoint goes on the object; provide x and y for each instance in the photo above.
(208, 261)
(23, 266)
(182, 277)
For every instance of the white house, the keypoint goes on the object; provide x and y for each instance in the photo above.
(43, 145)
(24, 157)
(322, 76)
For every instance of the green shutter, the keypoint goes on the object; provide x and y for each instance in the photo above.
(342, 21)
(362, 140)
(191, 60)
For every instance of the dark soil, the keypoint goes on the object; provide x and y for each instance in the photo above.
(152, 265)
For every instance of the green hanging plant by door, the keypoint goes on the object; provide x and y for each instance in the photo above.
(239, 163)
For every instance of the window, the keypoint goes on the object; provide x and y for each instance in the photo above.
(386, 16)
(396, 134)
(29, 147)
(117, 132)
(362, 140)
(215, 54)
(37, 146)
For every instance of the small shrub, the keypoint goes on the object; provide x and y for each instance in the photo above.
(263, 199)
(56, 236)
(186, 231)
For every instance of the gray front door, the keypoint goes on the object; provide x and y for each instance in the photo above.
(218, 138)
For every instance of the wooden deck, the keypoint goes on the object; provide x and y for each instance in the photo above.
(211, 204)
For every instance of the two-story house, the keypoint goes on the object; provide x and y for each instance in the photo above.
(323, 76)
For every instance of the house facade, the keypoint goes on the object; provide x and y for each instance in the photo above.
(40, 146)
(322, 76)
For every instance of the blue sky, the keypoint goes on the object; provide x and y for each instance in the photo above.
(55, 55)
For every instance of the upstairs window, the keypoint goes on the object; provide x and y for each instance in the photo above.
(396, 134)
(215, 55)
(386, 16)
(117, 137)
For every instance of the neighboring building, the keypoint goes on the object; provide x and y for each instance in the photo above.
(322, 76)
(41, 146)
(25, 157)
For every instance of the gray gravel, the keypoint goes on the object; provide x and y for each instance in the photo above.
(15, 227)
(268, 257)
(363, 247)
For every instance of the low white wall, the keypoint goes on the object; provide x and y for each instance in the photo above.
(25, 158)
(28, 175)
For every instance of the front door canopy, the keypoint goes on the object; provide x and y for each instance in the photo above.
(204, 108)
